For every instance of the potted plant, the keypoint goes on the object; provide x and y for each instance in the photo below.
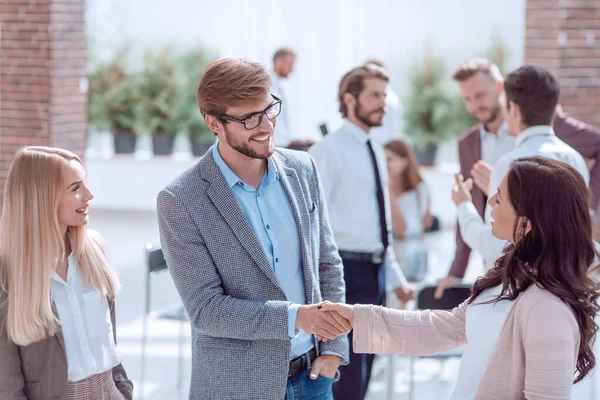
(193, 63)
(113, 102)
(160, 102)
(431, 114)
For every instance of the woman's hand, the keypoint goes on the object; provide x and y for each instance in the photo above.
(461, 191)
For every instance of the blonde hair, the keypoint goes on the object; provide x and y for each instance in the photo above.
(31, 244)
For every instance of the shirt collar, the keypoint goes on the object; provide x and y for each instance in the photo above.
(232, 179)
(356, 132)
(71, 272)
(502, 131)
(539, 130)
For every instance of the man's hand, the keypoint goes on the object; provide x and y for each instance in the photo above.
(443, 284)
(461, 191)
(328, 325)
(481, 173)
(405, 293)
(339, 310)
(325, 365)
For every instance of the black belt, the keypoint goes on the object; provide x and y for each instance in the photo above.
(302, 362)
(374, 258)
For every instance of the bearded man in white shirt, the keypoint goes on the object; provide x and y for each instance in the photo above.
(530, 98)
(391, 126)
(355, 181)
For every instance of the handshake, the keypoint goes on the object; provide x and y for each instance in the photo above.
(326, 320)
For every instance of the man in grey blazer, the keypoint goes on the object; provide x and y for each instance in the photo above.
(246, 236)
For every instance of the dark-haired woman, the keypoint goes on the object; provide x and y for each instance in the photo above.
(529, 323)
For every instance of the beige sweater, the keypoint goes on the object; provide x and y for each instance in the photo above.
(534, 359)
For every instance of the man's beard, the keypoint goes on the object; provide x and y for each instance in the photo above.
(363, 116)
(493, 116)
(244, 147)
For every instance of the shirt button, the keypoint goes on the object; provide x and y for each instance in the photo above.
(258, 195)
(277, 260)
(268, 226)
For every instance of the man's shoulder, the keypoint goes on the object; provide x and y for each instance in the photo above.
(503, 163)
(189, 179)
(296, 159)
(565, 125)
(469, 134)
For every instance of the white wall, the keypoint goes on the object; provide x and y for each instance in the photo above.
(330, 36)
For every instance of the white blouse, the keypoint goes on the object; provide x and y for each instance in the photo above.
(86, 325)
(484, 323)
(414, 204)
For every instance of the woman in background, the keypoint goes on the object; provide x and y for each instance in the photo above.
(410, 197)
(410, 206)
(57, 288)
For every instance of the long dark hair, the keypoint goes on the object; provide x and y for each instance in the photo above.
(411, 176)
(557, 252)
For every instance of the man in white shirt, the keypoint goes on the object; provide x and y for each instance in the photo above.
(355, 181)
(528, 106)
(283, 65)
(391, 128)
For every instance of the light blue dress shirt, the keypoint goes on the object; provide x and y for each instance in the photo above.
(270, 215)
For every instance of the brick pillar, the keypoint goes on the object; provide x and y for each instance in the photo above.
(42, 71)
(563, 36)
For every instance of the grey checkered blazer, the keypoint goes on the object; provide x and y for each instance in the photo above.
(237, 308)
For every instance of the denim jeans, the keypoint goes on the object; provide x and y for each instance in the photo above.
(301, 387)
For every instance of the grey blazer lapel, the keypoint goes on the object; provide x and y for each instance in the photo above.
(294, 191)
(223, 198)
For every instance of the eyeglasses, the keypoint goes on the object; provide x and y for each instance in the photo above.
(254, 120)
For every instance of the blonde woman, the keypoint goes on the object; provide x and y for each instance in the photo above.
(57, 289)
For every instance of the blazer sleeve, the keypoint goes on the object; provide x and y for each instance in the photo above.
(11, 378)
(122, 382)
(551, 346)
(382, 330)
(331, 271)
(463, 251)
(461, 256)
(211, 311)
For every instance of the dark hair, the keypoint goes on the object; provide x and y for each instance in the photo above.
(354, 82)
(558, 251)
(475, 65)
(283, 52)
(411, 177)
(535, 91)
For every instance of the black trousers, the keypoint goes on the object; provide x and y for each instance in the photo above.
(365, 284)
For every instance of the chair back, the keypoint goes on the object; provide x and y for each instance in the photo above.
(452, 297)
(155, 258)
